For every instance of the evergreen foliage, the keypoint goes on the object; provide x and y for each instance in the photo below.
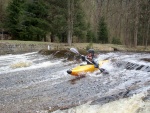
(102, 32)
(33, 19)
(90, 36)
(41, 19)
(13, 19)
(27, 20)
(58, 19)
(34, 22)
(116, 40)
(80, 26)
(144, 22)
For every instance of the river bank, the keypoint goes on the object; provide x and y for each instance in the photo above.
(14, 47)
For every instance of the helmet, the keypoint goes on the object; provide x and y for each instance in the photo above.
(91, 51)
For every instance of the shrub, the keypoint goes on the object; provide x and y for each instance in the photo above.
(89, 46)
(116, 40)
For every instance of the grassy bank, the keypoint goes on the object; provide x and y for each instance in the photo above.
(80, 46)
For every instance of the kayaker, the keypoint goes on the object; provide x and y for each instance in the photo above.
(90, 58)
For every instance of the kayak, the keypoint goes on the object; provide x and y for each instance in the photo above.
(82, 69)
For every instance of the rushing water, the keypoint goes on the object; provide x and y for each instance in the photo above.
(36, 83)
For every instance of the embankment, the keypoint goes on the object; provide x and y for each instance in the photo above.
(15, 47)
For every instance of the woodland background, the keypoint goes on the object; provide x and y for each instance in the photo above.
(123, 22)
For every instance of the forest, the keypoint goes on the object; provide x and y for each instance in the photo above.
(123, 22)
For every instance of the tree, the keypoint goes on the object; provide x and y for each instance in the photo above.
(80, 28)
(144, 23)
(91, 36)
(2, 14)
(67, 20)
(27, 20)
(136, 22)
(14, 11)
(57, 17)
(103, 32)
(70, 21)
(34, 21)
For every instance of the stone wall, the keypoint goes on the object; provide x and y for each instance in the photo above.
(7, 48)
(15, 48)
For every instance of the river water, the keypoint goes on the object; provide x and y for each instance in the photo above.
(36, 83)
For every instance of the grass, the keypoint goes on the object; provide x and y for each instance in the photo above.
(80, 46)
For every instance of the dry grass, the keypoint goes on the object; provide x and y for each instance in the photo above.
(80, 46)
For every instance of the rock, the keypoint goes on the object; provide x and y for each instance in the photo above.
(111, 97)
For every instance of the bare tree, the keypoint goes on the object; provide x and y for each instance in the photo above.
(2, 11)
(147, 34)
(148, 23)
(70, 21)
(136, 22)
(2, 16)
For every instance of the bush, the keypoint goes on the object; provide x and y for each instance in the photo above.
(91, 36)
(89, 46)
(102, 31)
(116, 40)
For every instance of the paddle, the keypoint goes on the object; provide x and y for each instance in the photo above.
(74, 50)
(77, 52)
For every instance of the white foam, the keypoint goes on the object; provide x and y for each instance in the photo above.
(127, 105)
(8, 69)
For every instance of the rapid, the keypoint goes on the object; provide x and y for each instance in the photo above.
(37, 83)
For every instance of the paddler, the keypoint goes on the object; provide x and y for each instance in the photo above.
(91, 58)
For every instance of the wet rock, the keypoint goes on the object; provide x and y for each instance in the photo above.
(131, 66)
(147, 98)
(111, 97)
(146, 59)
(62, 54)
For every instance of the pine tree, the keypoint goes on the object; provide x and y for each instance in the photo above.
(34, 21)
(103, 32)
(58, 19)
(27, 20)
(80, 25)
(14, 11)
(90, 36)
(58, 13)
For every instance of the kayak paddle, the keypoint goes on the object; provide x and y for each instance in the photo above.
(74, 50)
(77, 52)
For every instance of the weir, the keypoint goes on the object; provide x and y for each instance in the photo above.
(132, 66)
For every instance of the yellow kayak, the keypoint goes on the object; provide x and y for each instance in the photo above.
(82, 69)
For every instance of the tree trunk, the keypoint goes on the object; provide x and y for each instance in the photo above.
(147, 34)
(52, 38)
(147, 37)
(70, 21)
(136, 23)
(97, 16)
(72, 17)
(2, 34)
(107, 7)
(120, 24)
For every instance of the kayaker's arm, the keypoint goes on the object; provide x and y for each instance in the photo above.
(94, 61)
(83, 58)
